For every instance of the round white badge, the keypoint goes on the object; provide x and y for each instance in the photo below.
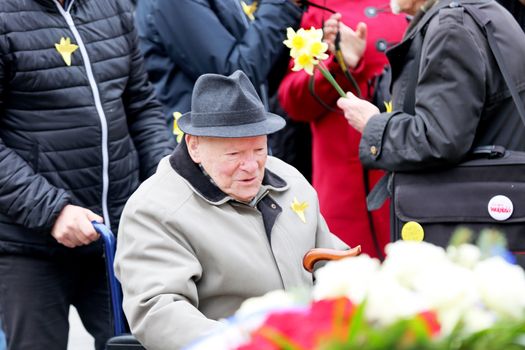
(500, 208)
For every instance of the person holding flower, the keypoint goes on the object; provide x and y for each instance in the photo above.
(219, 222)
(368, 27)
(459, 97)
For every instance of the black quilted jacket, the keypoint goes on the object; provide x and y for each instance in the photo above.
(84, 133)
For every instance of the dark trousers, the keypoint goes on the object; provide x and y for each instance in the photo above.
(35, 295)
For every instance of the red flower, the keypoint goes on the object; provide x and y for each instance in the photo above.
(303, 329)
(431, 321)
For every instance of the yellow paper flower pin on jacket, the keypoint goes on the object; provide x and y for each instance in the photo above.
(299, 208)
(249, 10)
(66, 49)
(388, 106)
(176, 130)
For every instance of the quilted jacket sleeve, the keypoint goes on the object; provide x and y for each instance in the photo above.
(25, 196)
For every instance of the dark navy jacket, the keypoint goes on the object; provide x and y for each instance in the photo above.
(81, 134)
(183, 39)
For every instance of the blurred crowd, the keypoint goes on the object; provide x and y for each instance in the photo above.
(91, 92)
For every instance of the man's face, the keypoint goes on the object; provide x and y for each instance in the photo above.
(236, 165)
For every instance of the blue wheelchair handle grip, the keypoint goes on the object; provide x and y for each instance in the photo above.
(114, 286)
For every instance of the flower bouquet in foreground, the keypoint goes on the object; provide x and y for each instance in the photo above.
(420, 297)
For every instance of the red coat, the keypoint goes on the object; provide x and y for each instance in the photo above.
(337, 172)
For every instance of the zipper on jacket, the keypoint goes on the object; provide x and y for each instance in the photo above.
(98, 105)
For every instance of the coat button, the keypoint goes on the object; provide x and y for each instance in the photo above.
(373, 150)
(273, 206)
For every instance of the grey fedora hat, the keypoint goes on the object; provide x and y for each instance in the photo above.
(227, 106)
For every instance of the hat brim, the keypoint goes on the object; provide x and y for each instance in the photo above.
(271, 124)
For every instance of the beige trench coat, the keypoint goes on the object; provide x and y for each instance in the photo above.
(185, 261)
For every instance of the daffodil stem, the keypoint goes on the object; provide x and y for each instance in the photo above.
(324, 71)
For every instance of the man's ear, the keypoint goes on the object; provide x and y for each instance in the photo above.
(193, 147)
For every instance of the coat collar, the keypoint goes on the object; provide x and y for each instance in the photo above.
(425, 15)
(181, 162)
(398, 55)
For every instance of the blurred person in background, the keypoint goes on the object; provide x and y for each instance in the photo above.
(341, 181)
(183, 39)
(79, 129)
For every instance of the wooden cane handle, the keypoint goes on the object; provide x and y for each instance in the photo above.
(319, 254)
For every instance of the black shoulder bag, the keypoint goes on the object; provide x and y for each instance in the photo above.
(487, 191)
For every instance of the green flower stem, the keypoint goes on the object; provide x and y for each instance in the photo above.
(324, 71)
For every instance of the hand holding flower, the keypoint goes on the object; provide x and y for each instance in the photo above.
(357, 111)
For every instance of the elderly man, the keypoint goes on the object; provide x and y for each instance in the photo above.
(449, 95)
(218, 223)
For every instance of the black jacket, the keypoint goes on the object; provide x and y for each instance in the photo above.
(81, 134)
(461, 99)
(517, 9)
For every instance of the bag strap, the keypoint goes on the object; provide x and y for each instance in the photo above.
(311, 89)
(488, 28)
(409, 103)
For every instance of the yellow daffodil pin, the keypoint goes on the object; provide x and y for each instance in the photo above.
(66, 49)
(249, 10)
(299, 208)
(176, 130)
(388, 106)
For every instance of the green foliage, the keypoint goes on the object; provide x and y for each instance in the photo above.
(412, 334)
(504, 335)
(489, 241)
(461, 235)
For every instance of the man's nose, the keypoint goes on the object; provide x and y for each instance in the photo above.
(249, 164)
